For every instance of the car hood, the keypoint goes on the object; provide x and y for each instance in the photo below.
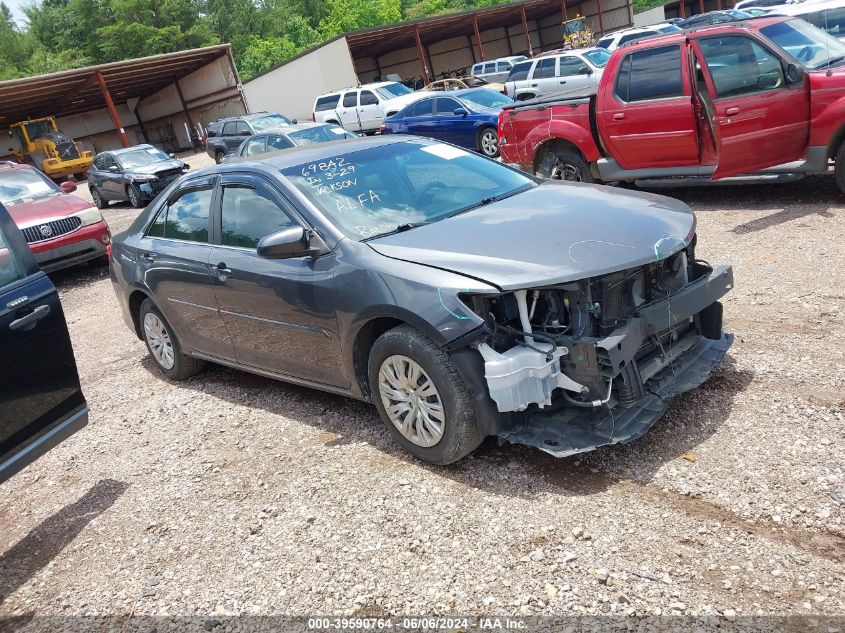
(153, 168)
(553, 233)
(44, 209)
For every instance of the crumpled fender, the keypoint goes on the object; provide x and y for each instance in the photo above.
(564, 129)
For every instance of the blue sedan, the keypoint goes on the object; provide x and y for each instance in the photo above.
(464, 117)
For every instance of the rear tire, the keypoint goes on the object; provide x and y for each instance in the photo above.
(440, 427)
(99, 201)
(564, 163)
(488, 142)
(839, 167)
(163, 345)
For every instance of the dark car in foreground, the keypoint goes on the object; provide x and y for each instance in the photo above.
(224, 136)
(41, 402)
(136, 174)
(461, 297)
(465, 117)
(290, 136)
(61, 229)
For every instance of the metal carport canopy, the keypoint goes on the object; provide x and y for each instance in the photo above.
(79, 90)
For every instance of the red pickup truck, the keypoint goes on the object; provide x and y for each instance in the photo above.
(761, 96)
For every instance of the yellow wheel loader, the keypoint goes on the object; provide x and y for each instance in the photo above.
(43, 146)
(576, 34)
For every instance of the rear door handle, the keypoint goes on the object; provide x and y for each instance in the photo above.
(618, 116)
(731, 111)
(222, 272)
(563, 81)
(533, 85)
(28, 321)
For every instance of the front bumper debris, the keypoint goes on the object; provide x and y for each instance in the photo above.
(566, 430)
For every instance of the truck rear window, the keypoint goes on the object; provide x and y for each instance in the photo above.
(653, 73)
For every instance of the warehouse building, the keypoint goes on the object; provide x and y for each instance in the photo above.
(165, 99)
(426, 49)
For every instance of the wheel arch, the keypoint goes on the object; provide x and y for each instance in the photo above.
(135, 299)
(836, 140)
(366, 336)
(551, 145)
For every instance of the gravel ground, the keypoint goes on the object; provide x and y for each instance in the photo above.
(233, 494)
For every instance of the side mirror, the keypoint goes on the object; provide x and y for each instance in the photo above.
(291, 242)
(460, 112)
(114, 169)
(585, 70)
(172, 155)
(67, 186)
(794, 74)
(294, 121)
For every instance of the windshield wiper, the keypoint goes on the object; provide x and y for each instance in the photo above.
(830, 62)
(485, 201)
(399, 229)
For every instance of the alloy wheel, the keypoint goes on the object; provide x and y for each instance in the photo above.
(96, 197)
(159, 341)
(565, 171)
(411, 400)
(134, 197)
(489, 143)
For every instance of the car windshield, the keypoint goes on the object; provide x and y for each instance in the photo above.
(393, 90)
(320, 134)
(598, 57)
(269, 122)
(814, 48)
(141, 157)
(485, 98)
(383, 189)
(24, 184)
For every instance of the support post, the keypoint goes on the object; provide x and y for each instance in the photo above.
(563, 11)
(421, 55)
(682, 9)
(601, 18)
(187, 113)
(718, 5)
(527, 34)
(701, 6)
(478, 37)
(115, 117)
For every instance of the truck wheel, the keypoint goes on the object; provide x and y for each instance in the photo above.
(421, 397)
(488, 143)
(839, 167)
(564, 164)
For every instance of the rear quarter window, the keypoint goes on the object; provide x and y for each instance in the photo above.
(326, 103)
(520, 71)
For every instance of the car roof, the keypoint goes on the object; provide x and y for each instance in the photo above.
(10, 165)
(124, 150)
(374, 84)
(748, 24)
(295, 127)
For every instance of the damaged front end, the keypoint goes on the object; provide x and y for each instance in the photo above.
(579, 365)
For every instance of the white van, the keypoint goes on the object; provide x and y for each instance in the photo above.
(568, 72)
(363, 108)
(496, 70)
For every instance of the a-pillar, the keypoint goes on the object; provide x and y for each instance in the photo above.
(421, 54)
(115, 117)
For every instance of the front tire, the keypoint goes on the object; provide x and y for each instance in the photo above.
(839, 167)
(99, 201)
(163, 345)
(488, 142)
(134, 196)
(421, 397)
(564, 163)
(219, 156)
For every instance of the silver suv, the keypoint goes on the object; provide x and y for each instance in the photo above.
(570, 71)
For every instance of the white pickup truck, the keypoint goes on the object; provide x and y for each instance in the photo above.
(364, 108)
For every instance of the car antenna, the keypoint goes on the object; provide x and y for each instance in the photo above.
(827, 45)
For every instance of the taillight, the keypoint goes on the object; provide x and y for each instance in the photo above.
(381, 128)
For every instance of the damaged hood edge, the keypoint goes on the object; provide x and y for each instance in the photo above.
(554, 233)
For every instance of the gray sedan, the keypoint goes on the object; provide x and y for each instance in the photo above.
(461, 297)
(292, 135)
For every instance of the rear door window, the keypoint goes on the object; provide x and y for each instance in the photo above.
(254, 146)
(502, 67)
(10, 267)
(446, 106)
(545, 68)
(350, 100)
(185, 217)
(230, 129)
(490, 68)
(423, 108)
(653, 73)
(570, 66)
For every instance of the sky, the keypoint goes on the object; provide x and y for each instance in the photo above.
(15, 6)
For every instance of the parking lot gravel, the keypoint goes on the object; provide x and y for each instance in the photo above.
(234, 494)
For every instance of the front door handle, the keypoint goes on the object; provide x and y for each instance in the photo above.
(222, 272)
(533, 85)
(27, 322)
(563, 81)
(731, 111)
(618, 116)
